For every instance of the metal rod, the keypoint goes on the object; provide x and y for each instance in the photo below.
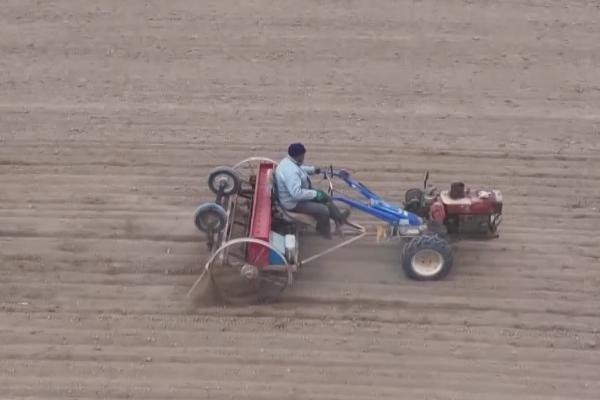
(230, 216)
(362, 234)
(280, 268)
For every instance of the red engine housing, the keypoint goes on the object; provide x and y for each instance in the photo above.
(471, 212)
(479, 202)
(437, 212)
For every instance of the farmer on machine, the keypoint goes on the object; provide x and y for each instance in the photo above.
(296, 195)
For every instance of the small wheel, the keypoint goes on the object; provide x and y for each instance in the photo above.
(427, 258)
(238, 282)
(413, 199)
(210, 217)
(412, 195)
(225, 178)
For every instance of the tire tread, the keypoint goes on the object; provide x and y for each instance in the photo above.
(434, 242)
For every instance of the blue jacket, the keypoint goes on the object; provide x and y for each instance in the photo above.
(292, 183)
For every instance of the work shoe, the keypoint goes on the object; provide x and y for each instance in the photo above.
(344, 214)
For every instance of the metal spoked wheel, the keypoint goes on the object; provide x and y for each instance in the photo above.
(427, 258)
(238, 282)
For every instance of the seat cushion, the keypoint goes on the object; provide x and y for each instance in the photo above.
(305, 219)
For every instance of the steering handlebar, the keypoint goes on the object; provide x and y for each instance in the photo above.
(330, 173)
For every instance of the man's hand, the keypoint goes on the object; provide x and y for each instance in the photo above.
(322, 197)
(317, 170)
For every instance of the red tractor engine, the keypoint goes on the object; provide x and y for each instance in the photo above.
(467, 212)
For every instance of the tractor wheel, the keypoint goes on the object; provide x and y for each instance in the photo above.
(210, 217)
(224, 177)
(427, 258)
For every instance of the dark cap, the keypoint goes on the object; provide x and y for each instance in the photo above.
(296, 149)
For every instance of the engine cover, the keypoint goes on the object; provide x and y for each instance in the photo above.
(478, 202)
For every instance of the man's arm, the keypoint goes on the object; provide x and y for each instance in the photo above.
(293, 184)
(311, 169)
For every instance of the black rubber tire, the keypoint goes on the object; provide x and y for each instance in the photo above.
(230, 173)
(434, 243)
(413, 202)
(210, 217)
(413, 194)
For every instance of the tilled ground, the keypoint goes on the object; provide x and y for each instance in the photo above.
(111, 114)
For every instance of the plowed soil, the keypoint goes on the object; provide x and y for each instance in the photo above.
(112, 113)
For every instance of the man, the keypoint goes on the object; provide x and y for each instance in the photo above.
(295, 192)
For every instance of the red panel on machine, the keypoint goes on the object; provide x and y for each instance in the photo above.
(480, 202)
(260, 219)
(437, 212)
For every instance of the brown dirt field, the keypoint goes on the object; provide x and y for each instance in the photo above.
(112, 112)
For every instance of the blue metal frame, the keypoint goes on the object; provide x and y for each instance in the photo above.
(375, 206)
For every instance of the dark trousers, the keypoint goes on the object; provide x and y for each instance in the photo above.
(318, 211)
(321, 212)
